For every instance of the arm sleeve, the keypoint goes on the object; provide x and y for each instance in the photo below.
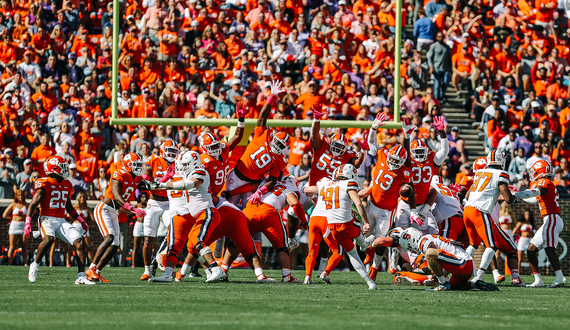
(526, 194)
(373, 143)
(441, 154)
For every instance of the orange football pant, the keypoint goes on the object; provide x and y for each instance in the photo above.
(481, 228)
(344, 233)
(206, 222)
(454, 228)
(317, 230)
(178, 235)
(460, 272)
(265, 219)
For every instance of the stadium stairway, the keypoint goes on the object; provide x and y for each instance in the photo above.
(454, 111)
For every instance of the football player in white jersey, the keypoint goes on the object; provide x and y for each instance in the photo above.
(488, 185)
(444, 255)
(448, 212)
(335, 204)
(196, 217)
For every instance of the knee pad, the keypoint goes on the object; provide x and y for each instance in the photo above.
(251, 256)
(283, 249)
(199, 246)
(205, 250)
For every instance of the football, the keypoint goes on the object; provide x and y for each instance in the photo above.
(405, 190)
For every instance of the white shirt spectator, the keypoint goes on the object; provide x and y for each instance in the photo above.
(374, 103)
(30, 72)
(25, 90)
(296, 49)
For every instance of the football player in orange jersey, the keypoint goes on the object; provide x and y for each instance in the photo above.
(546, 237)
(329, 154)
(265, 154)
(157, 168)
(118, 195)
(424, 164)
(52, 196)
(390, 174)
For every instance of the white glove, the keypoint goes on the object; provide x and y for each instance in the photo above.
(276, 87)
(379, 121)
(407, 127)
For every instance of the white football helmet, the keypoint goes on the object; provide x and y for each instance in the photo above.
(345, 172)
(396, 232)
(292, 180)
(410, 239)
(496, 157)
(169, 151)
(186, 162)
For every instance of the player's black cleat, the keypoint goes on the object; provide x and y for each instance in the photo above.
(484, 286)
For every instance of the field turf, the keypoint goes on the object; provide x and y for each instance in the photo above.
(54, 302)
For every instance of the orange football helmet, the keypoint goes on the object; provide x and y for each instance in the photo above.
(419, 150)
(338, 144)
(479, 164)
(396, 157)
(133, 163)
(169, 151)
(281, 141)
(540, 169)
(211, 144)
(56, 165)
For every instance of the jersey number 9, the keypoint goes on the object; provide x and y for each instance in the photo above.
(263, 160)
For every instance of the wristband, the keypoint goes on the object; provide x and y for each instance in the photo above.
(241, 119)
(263, 190)
(272, 100)
(241, 124)
(146, 177)
(315, 120)
(80, 219)
(73, 214)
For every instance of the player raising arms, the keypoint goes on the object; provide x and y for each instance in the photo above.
(390, 176)
(546, 237)
(488, 185)
(424, 164)
(158, 168)
(52, 197)
(264, 155)
(194, 217)
(335, 201)
(118, 195)
(329, 153)
(265, 217)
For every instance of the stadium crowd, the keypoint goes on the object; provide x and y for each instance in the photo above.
(506, 60)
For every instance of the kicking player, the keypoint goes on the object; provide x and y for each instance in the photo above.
(546, 237)
(118, 195)
(488, 185)
(196, 217)
(335, 201)
(52, 198)
(158, 168)
(265, 154)
(390, 174)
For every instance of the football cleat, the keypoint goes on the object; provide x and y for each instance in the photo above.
(369, 256)
(372, 273)
(91, 274)
(195, 274)
(440, 287)
(145, 277)
(293, 243)
(289, 279)
(208, 273)
(308, 280)
(484, 286)
(536, 284)
(264, 279)
(499, 279)
(33, 272)
(163, 278)
(326, 278)
(368, 242)
(405, 280)
(83, 280)
(371, 285)
(557, 283)
(160, 260)
(392, 270)
(179, 277)
(518, 282)
(431, 281)
(218, 274)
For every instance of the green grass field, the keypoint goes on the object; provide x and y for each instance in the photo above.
(54, 302)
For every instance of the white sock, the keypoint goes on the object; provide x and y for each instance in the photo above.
(377, 260)
(168, 271)
(93, 265)
(81, 274)
(358, 265)
(147, 270)
(34, 263)
(361, 241)
(514, 274)
(97, 272)
(559, 276)
(441, 279)
(496, 273)
(184, 269)
(479, 275)
(285, 272)
(537, 277)
(323, 265)
(486, 258)
(258, 271)
(470, 250)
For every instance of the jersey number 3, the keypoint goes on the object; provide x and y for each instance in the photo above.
(384, 181)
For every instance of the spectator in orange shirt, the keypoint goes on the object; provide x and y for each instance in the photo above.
(309, 99)
(145, 106)
(87, 162)
(464, 69)
(7, 50)
(48, 100)
(168, 40)
(552, 119)
(41, 42)
(556, 91)
(234, 44)
(40, 153)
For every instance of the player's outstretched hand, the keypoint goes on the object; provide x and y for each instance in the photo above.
(364, 142)
(407, 127)
(240, 109)
(276, 87)
(28, 227)
(317, 110)
(144, 185)
(379, 120)
(455, 187)
(439, 123)
(170, 171)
